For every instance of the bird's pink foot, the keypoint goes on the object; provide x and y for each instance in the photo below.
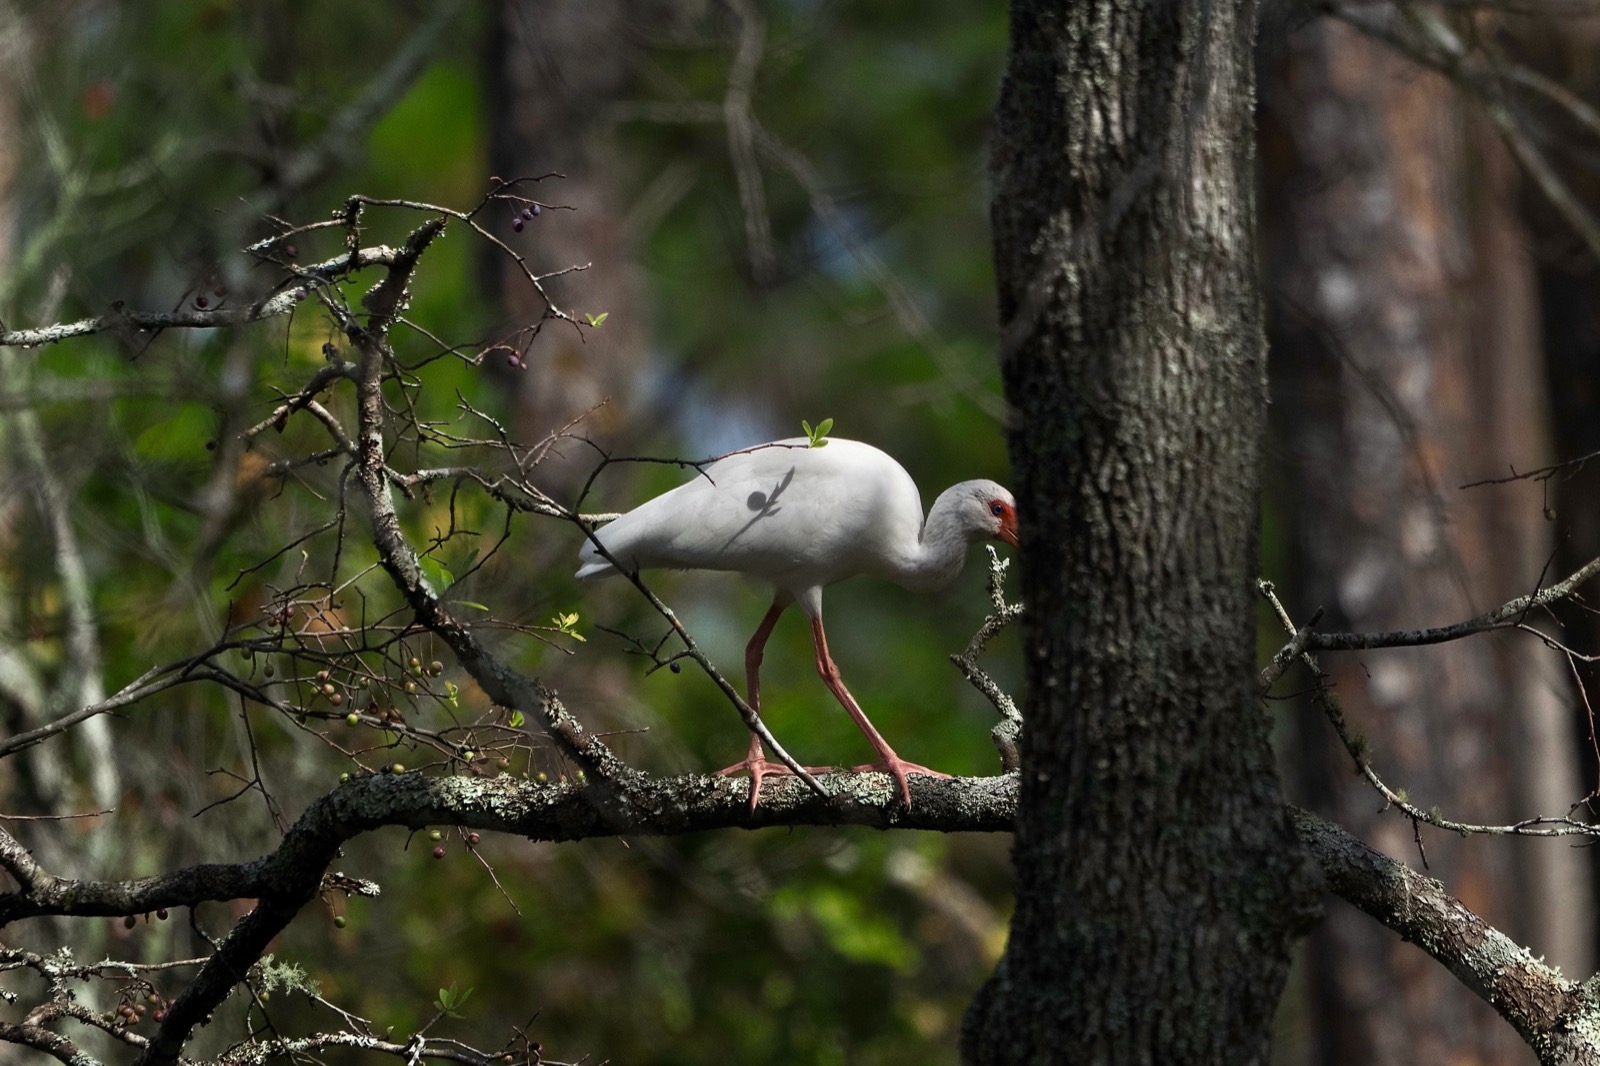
(899, 769)
(758, 768)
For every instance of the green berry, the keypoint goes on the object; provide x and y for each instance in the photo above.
(435, 835)
(352, 718)
(339, 921)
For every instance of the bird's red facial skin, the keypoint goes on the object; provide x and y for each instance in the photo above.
(1008, 523)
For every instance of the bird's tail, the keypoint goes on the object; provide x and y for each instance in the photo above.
(595, 568)
(593, 565)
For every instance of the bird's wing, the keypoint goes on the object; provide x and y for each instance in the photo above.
(787, 513)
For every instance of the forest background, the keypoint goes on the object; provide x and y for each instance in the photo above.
(781, 212)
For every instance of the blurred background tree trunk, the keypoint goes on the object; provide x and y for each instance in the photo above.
(1569, 295)
(1407, 362)
(555, 69)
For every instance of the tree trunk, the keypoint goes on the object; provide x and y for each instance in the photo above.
(1566, 51)
(1159, 886)
(1409, 364)
(553, 68)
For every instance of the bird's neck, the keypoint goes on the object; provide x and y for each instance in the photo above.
(941, 550)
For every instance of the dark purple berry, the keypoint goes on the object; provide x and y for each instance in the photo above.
(162, 914)
(514, 361)
(536, 209)
(516, 223)
(129, 922)
(201, 302)
(527, 212)
(290, 250)
(676, 667)
(472, 839)
(438, 852)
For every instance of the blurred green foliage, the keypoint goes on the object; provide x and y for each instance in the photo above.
(152, 131)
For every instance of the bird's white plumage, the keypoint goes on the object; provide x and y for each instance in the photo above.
(802, 518)
(785, 512)
(796, 516)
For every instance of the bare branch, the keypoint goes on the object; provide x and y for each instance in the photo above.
(1007, 733)
(1506, 616)
(122, 320)
(1328, 701)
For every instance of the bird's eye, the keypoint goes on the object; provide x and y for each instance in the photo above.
(997, 508)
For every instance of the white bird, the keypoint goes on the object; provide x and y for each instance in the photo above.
(801, 518)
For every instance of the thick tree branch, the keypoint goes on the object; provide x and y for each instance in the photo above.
(289, 877)
(1556, 1016)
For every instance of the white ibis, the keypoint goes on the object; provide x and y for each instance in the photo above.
(801, 518)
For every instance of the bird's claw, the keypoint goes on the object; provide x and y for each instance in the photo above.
(900, 770)
(759, 768)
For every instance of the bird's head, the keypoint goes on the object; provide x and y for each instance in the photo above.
(1003, 509)
(987, 511)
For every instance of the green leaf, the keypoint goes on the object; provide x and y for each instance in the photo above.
(439, 579)
(450, 1000)
(517, 719)
(564, 625)
(598, 320)
(818, 436)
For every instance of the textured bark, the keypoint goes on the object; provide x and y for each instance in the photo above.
(1159, 885)
(1408, 364)
(1555, 1015)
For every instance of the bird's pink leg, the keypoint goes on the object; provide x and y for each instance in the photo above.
(757, 763)
(896, 767)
